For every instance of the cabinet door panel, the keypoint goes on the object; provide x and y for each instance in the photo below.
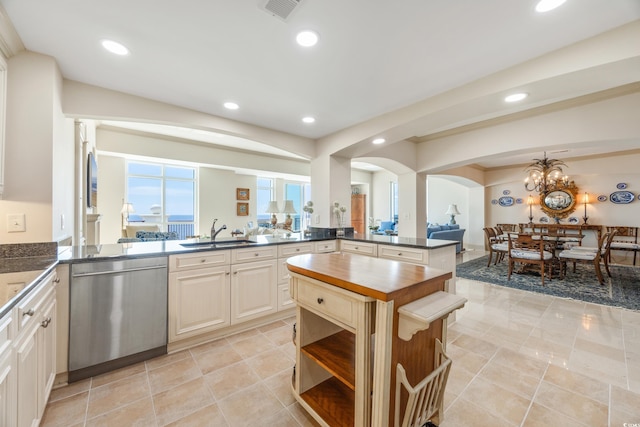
(198, 302)
(27, 377)
(253, 290)
(46, 354)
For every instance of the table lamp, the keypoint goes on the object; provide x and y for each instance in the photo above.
(585, 201)
(273, 210)
(453, 211)
(288, 209)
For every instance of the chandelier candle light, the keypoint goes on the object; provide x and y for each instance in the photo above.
(546, 175)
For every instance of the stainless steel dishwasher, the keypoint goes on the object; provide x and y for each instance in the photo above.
(117, 315)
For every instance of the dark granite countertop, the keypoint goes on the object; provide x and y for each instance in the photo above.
(40, 258)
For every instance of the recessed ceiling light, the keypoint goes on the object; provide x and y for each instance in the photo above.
(516, 97)
(115, 47)
(378, 141)
(307, 38)
(308, 119)
(547, 5)
(231, 106)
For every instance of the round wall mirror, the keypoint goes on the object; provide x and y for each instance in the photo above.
(558, 203)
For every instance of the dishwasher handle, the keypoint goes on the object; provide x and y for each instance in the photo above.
(126, 270)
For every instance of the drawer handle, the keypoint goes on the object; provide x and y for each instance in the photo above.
(229, 273)
(29, 312)
(257, 254)
(56, 280)
(46, 322)
(399, 253)
(320, 300)
(357, 247)
(298, 250)
(203, 260)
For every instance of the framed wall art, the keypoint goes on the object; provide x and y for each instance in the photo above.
(242, 194)
(242, 209)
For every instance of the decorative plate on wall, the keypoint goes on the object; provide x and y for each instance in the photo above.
(519, 201)
(622, 197)
(506, 201)
(621, 186)
(573, 220)
(544, 220)
(494, 202)
(506, 192)
(602, 198)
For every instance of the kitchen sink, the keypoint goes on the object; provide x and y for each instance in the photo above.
(207, 244)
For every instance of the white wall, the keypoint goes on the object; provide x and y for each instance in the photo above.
(380, 189)
(37, 139)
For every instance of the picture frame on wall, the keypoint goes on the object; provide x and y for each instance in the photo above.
(242, 194)
(242, 209)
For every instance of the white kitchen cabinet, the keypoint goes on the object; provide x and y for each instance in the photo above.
(7, 377)
(254, 290)
(198, 301)
(35, 352)
(285, 301)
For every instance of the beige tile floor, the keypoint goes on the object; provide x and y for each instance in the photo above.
(519, 359)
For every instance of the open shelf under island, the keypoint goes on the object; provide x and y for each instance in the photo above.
(347, 341)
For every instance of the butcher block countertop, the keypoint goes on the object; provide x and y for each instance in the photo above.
(377, 278)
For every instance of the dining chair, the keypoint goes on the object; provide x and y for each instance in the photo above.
(590, 255)
(626, 240)
(495, 247)
(527, 249)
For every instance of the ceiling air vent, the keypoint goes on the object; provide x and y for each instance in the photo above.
(281, 8)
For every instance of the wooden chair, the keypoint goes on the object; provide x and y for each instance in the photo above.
(424, 402)
(529, 249)
(507, 227)
(494, 246)
(588, 255)
(626, 240)
(567, 237)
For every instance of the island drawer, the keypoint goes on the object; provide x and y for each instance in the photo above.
(198, 260)
(329, 302)
(400, 253)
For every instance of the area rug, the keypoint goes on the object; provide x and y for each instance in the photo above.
(621, 290)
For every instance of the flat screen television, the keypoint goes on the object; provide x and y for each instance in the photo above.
(92, 182)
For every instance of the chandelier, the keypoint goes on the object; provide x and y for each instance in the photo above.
(546, 175)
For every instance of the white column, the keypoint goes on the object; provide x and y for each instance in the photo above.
(412, 205)
(330, 181)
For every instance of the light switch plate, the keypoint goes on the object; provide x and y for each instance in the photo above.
(16, 223)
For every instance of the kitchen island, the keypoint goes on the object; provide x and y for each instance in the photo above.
(351, 333)
(213, 291)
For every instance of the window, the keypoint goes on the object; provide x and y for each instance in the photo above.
(393, 201)
(300, 194)
(264, 188)
(164, 195)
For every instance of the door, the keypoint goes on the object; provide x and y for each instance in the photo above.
(359, 213)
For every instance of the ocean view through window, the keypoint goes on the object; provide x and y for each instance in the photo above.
(163, 194)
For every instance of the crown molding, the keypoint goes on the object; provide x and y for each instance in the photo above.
(10, 42)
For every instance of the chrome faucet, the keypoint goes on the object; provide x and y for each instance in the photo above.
(214, 233)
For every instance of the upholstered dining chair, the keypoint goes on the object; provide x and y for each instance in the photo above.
(495, 247)
(626, 240)
(527, 249)
(589, 255)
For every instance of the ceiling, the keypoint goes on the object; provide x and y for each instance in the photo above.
(373, 56)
